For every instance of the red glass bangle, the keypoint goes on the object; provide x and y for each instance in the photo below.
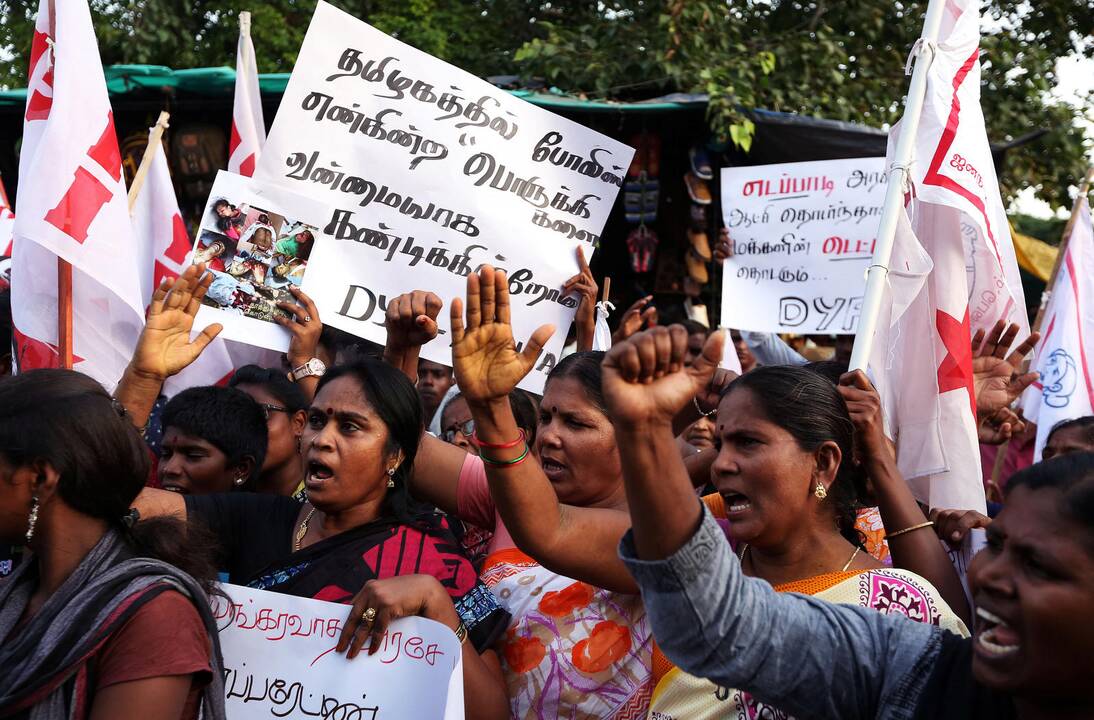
(497, 446)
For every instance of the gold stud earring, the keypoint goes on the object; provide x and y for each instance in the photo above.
(391, 477)
(820, 491)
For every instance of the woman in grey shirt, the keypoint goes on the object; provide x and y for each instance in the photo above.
(1032, 655)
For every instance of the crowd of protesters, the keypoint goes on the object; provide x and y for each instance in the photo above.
(652, 537)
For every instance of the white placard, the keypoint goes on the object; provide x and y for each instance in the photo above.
(254, 241)
(430, 173)
(279, 661)
(803, 235)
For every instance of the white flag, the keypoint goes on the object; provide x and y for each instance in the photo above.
(967, 279)
(248, 128)
(1063, 357)
(72, 204)
(164, 248)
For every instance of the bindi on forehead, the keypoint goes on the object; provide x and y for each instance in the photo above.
(330, 412)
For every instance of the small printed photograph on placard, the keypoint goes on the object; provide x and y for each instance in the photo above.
(254, 254)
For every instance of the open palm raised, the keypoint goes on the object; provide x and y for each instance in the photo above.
(484, 355)
(165, 348)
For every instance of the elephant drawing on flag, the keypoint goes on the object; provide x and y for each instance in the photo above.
(1059, 379)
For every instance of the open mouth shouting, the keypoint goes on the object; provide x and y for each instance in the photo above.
(553, 469)
(737, 504)
(318, 475)
(995, 638)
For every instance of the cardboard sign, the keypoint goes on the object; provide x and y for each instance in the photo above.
(430, 173)
(802, 236)
(279, 661)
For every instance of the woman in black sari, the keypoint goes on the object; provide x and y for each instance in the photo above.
(359, 539)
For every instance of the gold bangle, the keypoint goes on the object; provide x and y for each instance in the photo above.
(889, 536)
(461, 632)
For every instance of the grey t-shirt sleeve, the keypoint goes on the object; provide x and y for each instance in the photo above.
(805, 656)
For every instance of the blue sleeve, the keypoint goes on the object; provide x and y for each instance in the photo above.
(805, 656)
(770, 349)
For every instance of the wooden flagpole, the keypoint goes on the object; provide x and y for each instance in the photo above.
(155, 141)
(64, 268)
(1084, 188)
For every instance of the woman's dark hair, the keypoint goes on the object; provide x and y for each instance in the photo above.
(1071, 474)
(287, 393)
(585, 368)
(69, 421)
(525, 413)
(1084, 425)
(809, 407)
(395, 400)
(226, 418)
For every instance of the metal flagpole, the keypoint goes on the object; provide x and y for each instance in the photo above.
(894, 195)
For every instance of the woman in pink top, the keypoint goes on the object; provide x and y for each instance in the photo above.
(572, 649)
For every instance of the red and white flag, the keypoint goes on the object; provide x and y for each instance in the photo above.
(164, 248)
(1065, 362)
(248, 128)
(922, 358)
(72, 204)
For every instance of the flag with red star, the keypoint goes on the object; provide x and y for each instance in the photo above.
(953, 271)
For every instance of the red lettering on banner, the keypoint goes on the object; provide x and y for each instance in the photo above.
(180, 241)
(80, 205)
(949, 134)
(955, 371)
(105, 151)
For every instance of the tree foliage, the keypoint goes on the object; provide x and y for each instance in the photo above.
(842, 60)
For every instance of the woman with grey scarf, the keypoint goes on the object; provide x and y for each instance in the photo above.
(104, 617)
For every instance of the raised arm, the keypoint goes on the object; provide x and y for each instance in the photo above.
(911, 542)
(584, 284)
(707, 617)
(164, 347)
(411, 321)
(576, 542)
(305, 327)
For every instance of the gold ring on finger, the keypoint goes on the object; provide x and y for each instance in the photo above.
(368, 615)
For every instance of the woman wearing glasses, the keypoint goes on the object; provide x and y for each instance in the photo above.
(285, 406)
(457, 427)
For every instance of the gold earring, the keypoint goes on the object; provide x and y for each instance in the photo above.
(820, 491)
(391, 477)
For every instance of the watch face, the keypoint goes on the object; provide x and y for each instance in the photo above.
(316, 366)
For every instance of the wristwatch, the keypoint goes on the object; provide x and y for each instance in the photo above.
(312, 368)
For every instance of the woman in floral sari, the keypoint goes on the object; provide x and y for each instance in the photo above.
(575, 647)
(785, 472)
